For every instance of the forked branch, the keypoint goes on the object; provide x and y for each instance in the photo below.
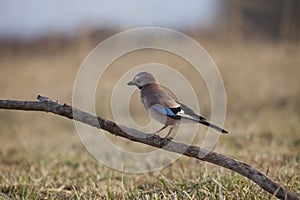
(47, 105)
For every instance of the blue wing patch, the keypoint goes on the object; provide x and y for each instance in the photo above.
(164, 110)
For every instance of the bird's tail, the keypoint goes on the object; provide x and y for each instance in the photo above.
(213, 126)
(203, 121)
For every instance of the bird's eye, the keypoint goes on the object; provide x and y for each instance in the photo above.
(138, 80)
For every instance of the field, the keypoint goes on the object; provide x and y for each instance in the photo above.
(42, 157)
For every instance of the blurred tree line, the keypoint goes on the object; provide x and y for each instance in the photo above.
(239, 20)
(271, 19)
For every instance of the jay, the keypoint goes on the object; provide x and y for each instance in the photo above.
(163, 108)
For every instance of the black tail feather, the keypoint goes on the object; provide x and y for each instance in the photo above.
(213, 126)
(201, 120)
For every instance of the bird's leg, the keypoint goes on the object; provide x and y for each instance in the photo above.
(165, 126)
(167, 139)
(170, 131)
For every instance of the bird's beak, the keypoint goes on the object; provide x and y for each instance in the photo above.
(131, 83)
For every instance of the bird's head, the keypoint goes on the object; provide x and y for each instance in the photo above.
(142, 79)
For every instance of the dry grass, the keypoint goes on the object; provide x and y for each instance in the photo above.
(42, 157)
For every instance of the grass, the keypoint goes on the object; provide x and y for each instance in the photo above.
(41, 156)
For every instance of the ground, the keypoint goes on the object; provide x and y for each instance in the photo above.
(42, 157)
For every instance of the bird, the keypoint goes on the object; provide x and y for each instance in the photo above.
(164, 108)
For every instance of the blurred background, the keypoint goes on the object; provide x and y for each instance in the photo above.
(255, 45)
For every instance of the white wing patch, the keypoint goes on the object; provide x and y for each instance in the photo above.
(181, 113)
(189, 117)
(186, 116)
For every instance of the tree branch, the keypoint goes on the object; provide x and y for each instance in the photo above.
(47, 105)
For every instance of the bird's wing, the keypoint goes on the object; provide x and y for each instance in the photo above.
(175, 110)
(170, 112)
(166, 105)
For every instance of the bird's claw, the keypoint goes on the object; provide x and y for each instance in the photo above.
(166, 140)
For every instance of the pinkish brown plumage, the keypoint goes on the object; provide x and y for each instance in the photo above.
(162, 107)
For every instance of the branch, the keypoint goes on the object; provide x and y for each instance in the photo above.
(47, 105)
